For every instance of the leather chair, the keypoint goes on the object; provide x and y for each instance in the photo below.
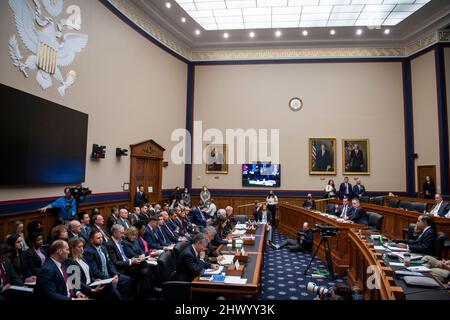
(364, 199)
(393, 203)
(330, 208)
(375, 221)
(171, 290)
(179, 248)
(408, 233)
(379, 201)
(406, 205)
(419, 206)
(440, 244)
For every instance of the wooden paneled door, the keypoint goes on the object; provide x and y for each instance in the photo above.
(146, 169)
(422, 172)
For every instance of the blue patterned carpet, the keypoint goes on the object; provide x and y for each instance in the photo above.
(282, 276)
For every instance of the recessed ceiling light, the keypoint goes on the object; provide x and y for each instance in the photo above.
(278, 33)
(387, 31)
(251, 34)
(226, 35)
(332, 32)
(305, 33)
(168, 5)
(197, 32)
(359, 32)
(183, 19)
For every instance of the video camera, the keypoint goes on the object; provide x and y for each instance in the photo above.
(325, 230)
(337, 292)
(80, 193)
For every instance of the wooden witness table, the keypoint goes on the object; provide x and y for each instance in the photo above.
(252, 272)
(291, 221)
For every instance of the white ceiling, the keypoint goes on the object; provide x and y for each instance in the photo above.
(266, 14)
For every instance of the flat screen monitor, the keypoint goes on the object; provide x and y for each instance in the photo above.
(261, 175)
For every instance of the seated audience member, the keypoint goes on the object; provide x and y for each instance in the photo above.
(59, 232)
(157, 208)
(77, 262)
(309, 203)
(187, 228)
(85, 228)
(265, 216)
(98, 222)
(357, 213)
(96, 256)
(256, 210)
(112, 219)
(439, 269)
(35, 256)
(141, 197)
(220, 226)
(359, 190)
(345, 189)
(140, 226)
(441, 207)
(152, 236)
(18, 228)
(132, 246)
(123, 218)
(201, 218)
(133, 267)
(304, 240)
(212, 254)
(211, 209)
(330, 189)
(8, 277)
(74, 229)
(165, 241)
(186, 197)
(168, 229)
(191, 261)
(134, 216)
(34, 226)
(52, 279)
(425, 242)
(15, 242)
(144, 214)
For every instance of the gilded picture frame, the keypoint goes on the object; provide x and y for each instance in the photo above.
(216, 159)
(322, 156)
(356, 156)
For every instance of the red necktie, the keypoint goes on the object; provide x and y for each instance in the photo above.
(66, 280)
(3, 274)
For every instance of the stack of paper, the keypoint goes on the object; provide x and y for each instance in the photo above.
(23, 289)
(100, 282)
(419, 269)
(235, 280)
(239, 232)
(228, 259)
(240, 226)
(212, 271)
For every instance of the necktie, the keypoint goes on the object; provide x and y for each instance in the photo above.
(3, 275)
(168, 228)
(103, 260)
(124, 257)
(68, 284)
(344, 213)
(346, 188)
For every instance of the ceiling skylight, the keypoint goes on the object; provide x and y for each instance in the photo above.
(258, 14)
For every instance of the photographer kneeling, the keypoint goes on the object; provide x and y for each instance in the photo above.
(303, 243)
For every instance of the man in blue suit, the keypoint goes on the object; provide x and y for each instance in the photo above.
(52, 280)
(345, 189)
(359, 190)
(191, 261)
(200, 218)
(153, 237)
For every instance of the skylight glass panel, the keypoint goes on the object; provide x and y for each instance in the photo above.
(256, 14)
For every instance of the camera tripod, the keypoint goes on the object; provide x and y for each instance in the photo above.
(326, 245)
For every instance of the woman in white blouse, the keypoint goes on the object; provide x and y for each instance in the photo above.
(330, 189)
(272, 201)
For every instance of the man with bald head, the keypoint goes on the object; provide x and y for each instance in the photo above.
(303, 243)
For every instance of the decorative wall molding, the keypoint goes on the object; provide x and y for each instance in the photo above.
(172, 44)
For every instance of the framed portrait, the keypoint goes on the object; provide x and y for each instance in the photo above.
(356, 156)
(322, 156)
(216, 158)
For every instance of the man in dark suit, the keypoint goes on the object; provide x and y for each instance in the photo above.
(425, 242)
(309, 203)
(191, 261)
(52, 281)
(165, 240)
(112, 219)
(359, 190)
(343, 211)
(85, 228)
(123, 219)
(323, 159)
(141, 197)
(97, 257)
(152, 236)
(357, 213)
(345, 189)
(200, 217)
(356, 160)
(74, 229)
(98, 226)
(169, 229)
(441, 207)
